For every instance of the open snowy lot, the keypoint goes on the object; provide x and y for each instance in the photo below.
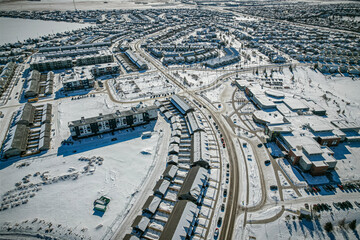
(140, 86)
(196, 78)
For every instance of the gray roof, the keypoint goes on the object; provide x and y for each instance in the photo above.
(175, 133)
(181, 221)
(17, 138)
(26, 115)
(193, 123)
(199, 154)
(180, 104)
(174, 148)
(44, 143)
(170, 172)
(175, 119)
(140, 223)
(194, 183)
(168, 115)
(33, 87)
(161, 187)
(175, 140)
(158, 103)
(173, 159)
(151, 204)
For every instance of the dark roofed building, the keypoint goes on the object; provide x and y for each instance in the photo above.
(194, 186)
(192, 123)
(173, 159)
(17, 141)
(140, 223)
(161, 187)
(33, 84)
(170, 172)
(199, 155)
(181, 223)
(181, 105)
(26, 116)
(151, 204)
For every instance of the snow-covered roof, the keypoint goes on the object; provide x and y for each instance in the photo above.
(181, 221)
(175, 133)
(175, 140)
(173, 159)
(194, 184)
(295, 104)
(180, 104)
(17, 138)
(168, 115)
(346, 125)
(269, 118)
(199, 153)
(151, 204)
(192, 122)
(141, 223)
(174, 148)
(161, 187)
(170, 172)
(118, 114)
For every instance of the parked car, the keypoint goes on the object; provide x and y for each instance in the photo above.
(267, 162)
(219, 222)
(216, 233)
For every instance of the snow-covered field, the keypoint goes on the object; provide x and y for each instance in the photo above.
(196, 78)
(18, 29)
(59, 187)
(288, 226)
(341, 92)
(140, 86)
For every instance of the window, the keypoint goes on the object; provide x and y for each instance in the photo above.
(334, 142)
(325, 143)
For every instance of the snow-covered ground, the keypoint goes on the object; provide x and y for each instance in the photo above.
(140, 86)
(253, 175)
(60, 186)
(196, 78)
(341, 92)
(18, 29)
(288, 226)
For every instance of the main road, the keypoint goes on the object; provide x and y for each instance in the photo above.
(233, 193)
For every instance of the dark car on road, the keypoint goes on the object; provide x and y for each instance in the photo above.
(219, 222)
